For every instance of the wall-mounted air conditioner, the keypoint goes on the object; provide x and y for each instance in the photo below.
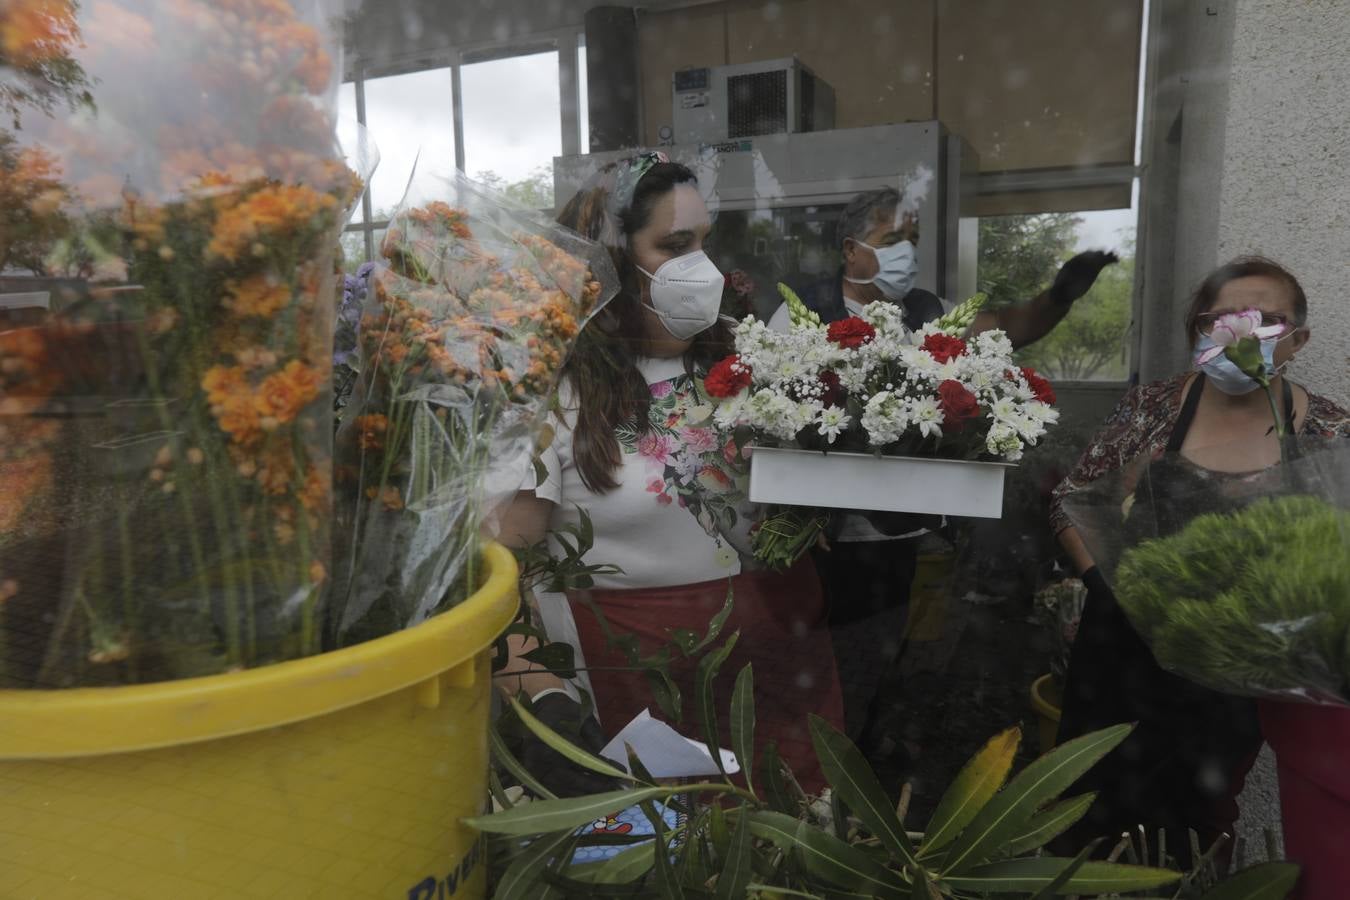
(722, 103)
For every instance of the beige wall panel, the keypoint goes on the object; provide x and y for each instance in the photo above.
(876, 55)
(1072, 200)
(1038, 85)
(383, 31)
(680, 39)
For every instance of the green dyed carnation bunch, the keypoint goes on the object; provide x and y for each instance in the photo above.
(1253, 602)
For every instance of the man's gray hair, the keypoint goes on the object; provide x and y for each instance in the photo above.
(863, 212)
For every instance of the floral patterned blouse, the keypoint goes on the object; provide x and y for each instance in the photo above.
(1142, 423)
(680, 513)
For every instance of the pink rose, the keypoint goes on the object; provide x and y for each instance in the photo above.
(662, 389)
(655, 446)
(663, 499)
(656, 486)
(729, 451)
(699, 440)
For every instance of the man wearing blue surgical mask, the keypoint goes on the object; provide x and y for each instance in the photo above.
(872, 556)
(877, 246)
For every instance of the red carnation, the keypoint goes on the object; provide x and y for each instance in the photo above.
(851, 333)
(1039, 386)
(728, 378)
(943, 348)
(958, 405)
(834, 392)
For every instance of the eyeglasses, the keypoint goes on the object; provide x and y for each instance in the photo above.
(1205, 321)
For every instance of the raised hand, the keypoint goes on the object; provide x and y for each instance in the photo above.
(1076, 277)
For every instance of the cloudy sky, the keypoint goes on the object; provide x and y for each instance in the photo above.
(512, 125)
(511, 121)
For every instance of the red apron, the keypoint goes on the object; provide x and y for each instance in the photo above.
(1312, 748)
(781, 620)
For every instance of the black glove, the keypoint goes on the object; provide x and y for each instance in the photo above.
(1076, 277)
(566, 779)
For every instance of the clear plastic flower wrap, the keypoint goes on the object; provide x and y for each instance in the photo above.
(1240, 582)
(173, 194)
(464, 331)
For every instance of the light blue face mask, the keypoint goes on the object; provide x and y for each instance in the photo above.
(1225, 375)
(897, 269)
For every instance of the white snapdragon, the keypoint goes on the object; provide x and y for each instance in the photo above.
(888, 320)
(993, 343)
(854, 377)
(778, 414)
(1004, 441)
(885, 418)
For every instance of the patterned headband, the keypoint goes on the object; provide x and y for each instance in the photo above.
(630, 173)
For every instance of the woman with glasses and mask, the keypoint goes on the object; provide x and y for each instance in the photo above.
(1184, 765)
(634, 447)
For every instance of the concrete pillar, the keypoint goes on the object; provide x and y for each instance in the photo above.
(1286, 165)
(1247, 150)
(1188, 64)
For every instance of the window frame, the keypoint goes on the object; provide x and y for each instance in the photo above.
(566, 42)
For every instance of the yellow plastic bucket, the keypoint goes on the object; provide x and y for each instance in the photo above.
(342, 775)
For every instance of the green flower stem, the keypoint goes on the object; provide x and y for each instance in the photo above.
(1280, 427)
(130, 606)
(167, 424)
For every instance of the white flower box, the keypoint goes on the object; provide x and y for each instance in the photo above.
(914, 484)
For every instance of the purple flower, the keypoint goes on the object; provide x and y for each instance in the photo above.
(354, 288)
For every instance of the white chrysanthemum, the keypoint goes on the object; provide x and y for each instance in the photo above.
(832, 422)
(926, 415)
(731, 413)
(1040, 414)
(949, 371)
(919, 365)
(1027, 428)
(1005, 409)
(928, 328)
(1020, 390)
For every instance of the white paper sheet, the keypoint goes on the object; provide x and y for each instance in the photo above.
(664, 751)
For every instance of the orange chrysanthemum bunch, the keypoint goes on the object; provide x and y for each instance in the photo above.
(462, 339)
(202, 205)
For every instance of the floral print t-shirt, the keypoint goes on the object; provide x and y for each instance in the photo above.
(679, 514)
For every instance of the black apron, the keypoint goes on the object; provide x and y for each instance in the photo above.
(1185, 762)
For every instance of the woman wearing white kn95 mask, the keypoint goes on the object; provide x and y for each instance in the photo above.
(635, 448)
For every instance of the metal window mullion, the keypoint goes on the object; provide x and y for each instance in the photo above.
(367, 235)
(457, 108)
(569, 100)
